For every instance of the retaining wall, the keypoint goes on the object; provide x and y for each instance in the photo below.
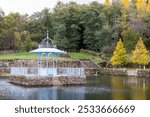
(125, 72)
(34, 81)
(34, 63)
(4, 68)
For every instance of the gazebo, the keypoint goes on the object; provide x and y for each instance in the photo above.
(47, 47)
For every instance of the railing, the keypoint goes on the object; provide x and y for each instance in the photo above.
(18, 71)
(71, 71)
(47, 71)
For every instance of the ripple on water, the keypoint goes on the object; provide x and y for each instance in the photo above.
(87, 90)
(97, 90)
(9, 91)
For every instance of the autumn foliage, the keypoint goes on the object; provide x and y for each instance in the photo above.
(107, 2)
(126, 3)
(140, 55)
(140, 4)
(119, 56)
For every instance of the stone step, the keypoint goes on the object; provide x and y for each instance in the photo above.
(89, 63)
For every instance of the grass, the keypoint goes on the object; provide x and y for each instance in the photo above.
(96, 59)
(25, 55)
(21, 55)
(81, 56)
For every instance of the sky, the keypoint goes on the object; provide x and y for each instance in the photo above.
(31, 6)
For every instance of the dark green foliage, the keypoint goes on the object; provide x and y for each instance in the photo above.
(75, 26)
(130, 39)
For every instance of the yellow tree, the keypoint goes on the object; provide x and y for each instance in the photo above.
(107, 2)
(140, 4)
(140, 55)
(126, 3)
(119, 56)
(148, 6)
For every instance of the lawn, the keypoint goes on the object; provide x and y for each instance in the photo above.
(81, 56)
(21, 55)
(25, 55)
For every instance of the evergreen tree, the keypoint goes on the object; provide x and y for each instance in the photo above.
(140, 55)
(107, 2)
(119, 56)
(126, 3)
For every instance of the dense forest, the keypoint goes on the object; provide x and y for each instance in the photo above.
(73, 26)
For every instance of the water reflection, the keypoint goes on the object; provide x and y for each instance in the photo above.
(139, 88)
(101, 87)
(131, 88)
(118, 88)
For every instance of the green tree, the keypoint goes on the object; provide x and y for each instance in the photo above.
(34, 45)
(1, 27)
(68, 31)
(140, 55)
(2, 14)
(14, 22)
(130, 38)
(27, 42)
(38, 23)
(119, 57)
(17, 41)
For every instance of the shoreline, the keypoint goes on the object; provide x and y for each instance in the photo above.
(108, 71)
(125, 72)
(35, 81)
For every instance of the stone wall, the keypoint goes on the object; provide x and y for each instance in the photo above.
(111, 71)
(34, 81)
(144, 73)
(91, 71)
(125, 72)
(31, 80)
(34, 63)
(4, 67)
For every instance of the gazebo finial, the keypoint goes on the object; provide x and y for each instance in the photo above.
(47, 34)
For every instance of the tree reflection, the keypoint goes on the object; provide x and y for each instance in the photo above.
(118, 86)
(130, 88)
(139, 88)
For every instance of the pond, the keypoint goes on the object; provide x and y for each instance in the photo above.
(96, 88)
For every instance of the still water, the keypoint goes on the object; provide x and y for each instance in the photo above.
(96, 88)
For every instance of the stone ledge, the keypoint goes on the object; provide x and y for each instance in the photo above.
(125, 72)
(35, 81)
